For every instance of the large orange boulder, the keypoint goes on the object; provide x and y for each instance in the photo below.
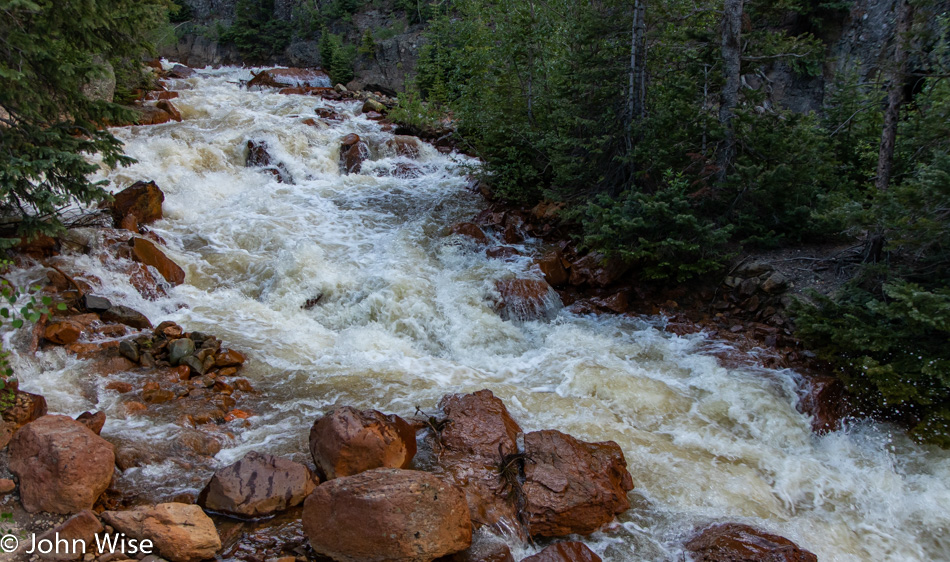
(572, 487)
(140, 203)
(732, 542)
(387, 515)
(597, 270)
(257, 486)
(552, 267)
(347, 441)
(62, 466)
(144, 251)
(525, 299)
(353, 155)
(291, 78)
(179, 532)
(471, 230)
(64, 332)
(471, 449)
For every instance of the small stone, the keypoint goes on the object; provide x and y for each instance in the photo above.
(7, 485)
(179, 349)
(194, 364)
(120, 387)
(94, 422)
(127, 316)
(63, 333)
(229, 358)
(93, 303)
(129, 350)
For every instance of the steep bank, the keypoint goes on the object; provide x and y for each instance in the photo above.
(403, 312)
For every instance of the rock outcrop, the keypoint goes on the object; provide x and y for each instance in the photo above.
(257, 486)
(62, 466)
(388, 515)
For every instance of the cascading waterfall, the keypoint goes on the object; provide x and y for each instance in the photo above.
(405, 315)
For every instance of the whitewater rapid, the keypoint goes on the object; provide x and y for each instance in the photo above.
(406, 315)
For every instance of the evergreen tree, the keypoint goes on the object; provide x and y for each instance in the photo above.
(49, 52)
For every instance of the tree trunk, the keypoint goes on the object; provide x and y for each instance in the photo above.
(637, 92)
(895, 97)
(731, 63)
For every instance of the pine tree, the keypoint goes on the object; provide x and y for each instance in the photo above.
(49, 52)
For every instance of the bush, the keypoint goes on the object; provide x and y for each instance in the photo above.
(255, 32)
(337, 58)
(660, 232)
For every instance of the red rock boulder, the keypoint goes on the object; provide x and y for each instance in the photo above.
(525, 299)
(169, 108)
(471, 230)
(732, 542)
(353, 155)
(63, 467)
(471, 447)
(179, 532)
(597, 271)
(347, 441)
(84, 526)
(63, 333)
(291, 78)
(572, 487)
(565, 552)
(387, 515)
(140, 203)
(257, 486)
(552, 267)
(148, 253)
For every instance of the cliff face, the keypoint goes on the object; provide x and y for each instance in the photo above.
(386, 69)
(858, 42)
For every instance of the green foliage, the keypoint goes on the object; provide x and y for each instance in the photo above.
(891, 349)
(413, 112)
(337, 57)
(256, 33)
(660, 232)
(51, 51)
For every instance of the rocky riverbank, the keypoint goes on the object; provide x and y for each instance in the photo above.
(449, 482)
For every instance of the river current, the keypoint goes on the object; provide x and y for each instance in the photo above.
(406, 315)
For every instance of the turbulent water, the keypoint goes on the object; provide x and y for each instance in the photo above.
(407, 315)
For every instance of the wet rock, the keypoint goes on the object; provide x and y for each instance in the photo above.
(258, 156)
(387, 515)
(95, 422)
(120, 387)
(291, 78)
(471, 230)
(157, 396)
(84, 526)
(63, 333)
(179, 532)
(482, 551)
(146, 252)
(825, 399)
(156, 95)
(573, 487)
(125, 315)
(93, 303)
(179, 349)
(352, 157)
(471, 447)
(180, 71)
(553, 269)
(525, 299)
(141, 201)
(258, 485)
(229, 358)
(732, 542)
(150, 115)
(38, 246)
(502, 252)
(371, 105)
(405, 145)
(26, 407)
(596, 270)
(129, 350)
(616, 303)
(565, 552)
(62, 466)
(347, 441)
(169, 108)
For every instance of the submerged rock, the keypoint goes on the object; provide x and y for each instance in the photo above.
(144, 251)
(347, 441)
(565, 552)
(387, 515)
(258, 485)
(62, 466)
(573, 487)
(732, 542)
(179, 532)
(525, 299)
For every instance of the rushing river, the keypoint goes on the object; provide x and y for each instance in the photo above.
(406, 316)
